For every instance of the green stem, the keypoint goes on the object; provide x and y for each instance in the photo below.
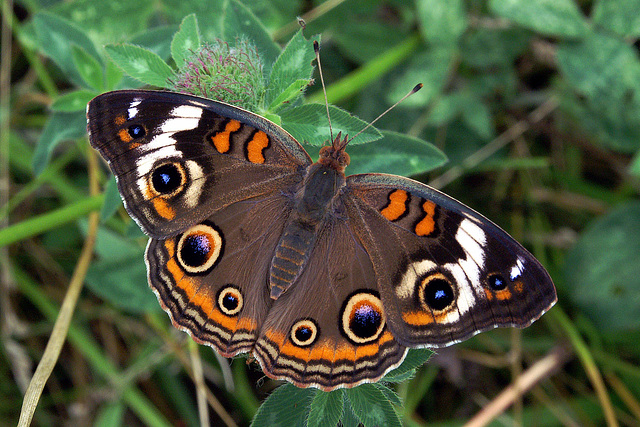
(39, 224)
(353, 82)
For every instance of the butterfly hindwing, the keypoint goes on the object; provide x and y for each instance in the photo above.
(178, 158)
(444, 271)
(212, 278)
(329, 329)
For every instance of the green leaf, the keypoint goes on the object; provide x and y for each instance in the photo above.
(441, 22)
(293, 64)
(309, 123)
(157, 40)
(287, 406)
(431, 68)
(634, 167)
(603, 270)
(59, 127)
(372, 407)
(551, 17)
(290, 94)
(112, 75)
(599, 64)
(88, 67)
(56, 36)
(487, 48)
(415, 358)
(621, 17)
(326, 409)
(391, 395)
(186, 41)
(112, 200)
(477, 116)
(241, 22)
(397, 154)
(140, 63)
(73, 101)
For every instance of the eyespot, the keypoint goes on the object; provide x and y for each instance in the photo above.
(168, 179)
(362, 318)
(304, 332)
(200, 248)
(230, 300)
(436, 292)
(496, 282)
(136, 131)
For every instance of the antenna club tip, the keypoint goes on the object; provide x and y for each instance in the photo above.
(417, 88)
(316, 46)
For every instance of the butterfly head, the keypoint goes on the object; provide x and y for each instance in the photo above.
(334, 155)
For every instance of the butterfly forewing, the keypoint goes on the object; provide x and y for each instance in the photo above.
(445, 272)
(178, 158)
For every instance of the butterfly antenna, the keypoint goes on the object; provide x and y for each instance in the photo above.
(316, 49)
(411, 92)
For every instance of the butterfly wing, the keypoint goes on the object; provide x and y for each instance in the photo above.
(178, 158)
(212, 278)
(328, 330)
(444, 271)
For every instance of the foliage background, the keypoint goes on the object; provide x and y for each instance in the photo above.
(535, 102)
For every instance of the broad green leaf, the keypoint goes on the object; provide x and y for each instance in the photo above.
(621, 17)
(478, 117)
(599, 64)
(241, 22)
(326, 409)
(186, 41)
(415, 358)
(287, 406)
(88, 67)
(430, 68)
(634, 167)
(157, 40)
(363, 40)
(293, 64)
(603, 270)
(211, 15)
(140, 63)
(112, 75)
(290, 94)
(487, 48)
(56, 36)
(391, 395)
(112, 200)
(397, 154)
(73, 101)
(59, 127)
(309, 123)
(551, 17)
(441, 22)
(372, 407)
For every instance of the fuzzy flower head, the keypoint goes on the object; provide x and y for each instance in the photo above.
(232, 74)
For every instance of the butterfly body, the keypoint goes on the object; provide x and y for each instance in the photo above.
(325, 278)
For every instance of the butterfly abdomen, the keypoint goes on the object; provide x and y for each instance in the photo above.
(322, 184)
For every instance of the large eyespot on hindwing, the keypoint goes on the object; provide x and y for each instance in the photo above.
(200, 248)
(304, 332)
(230, 300)
(362, 318)
(167, 179)
(435, 293)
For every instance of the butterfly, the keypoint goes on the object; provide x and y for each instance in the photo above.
(326, 279)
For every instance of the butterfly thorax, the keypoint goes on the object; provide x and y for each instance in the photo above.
(314, 204)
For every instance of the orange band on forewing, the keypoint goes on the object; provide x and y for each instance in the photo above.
(397, 205)
(503, 294)
(124, 135)
(518, 287)
(222, 140)
(422, 318)
(259, 142)
(428, 224)
(163, 209)
(120, 120)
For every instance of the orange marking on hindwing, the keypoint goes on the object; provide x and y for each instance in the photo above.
(345, 352)
(256, 145)
(427, 225)
(124, 135)
(518, 287)
(396, 206)
(373, 348)
(323, 351)
(247, 324)
(222, 140)
(195, 296)
(120, 120)
(503, 295)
